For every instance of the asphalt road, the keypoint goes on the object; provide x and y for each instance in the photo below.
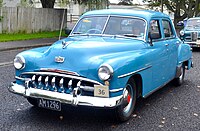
(171, 108)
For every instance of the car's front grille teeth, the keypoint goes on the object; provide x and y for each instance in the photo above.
(193, 36)
(60, 84)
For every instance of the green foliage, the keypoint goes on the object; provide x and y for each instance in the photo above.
(1, 3)
(26, 3)
(63, 3)
(125, 2)
(181, 8)
(93, 4)
(24, 36)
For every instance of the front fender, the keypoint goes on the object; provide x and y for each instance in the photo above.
(30, 57)
(124, 63)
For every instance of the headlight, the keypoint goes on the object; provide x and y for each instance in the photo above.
(181, 32)
(105, 72)
(19, 62)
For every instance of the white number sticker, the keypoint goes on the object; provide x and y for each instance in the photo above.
(101, 91)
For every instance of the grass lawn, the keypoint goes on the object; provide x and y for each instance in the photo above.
(23, 36)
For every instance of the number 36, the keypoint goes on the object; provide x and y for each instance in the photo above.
(101, 92)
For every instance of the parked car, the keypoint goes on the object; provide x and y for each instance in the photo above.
(191, 32)
(102, 63)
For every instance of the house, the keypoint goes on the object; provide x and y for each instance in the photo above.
(73, 8)
(11, 3)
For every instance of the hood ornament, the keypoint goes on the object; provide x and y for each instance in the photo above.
(59, 59)
(65, 44)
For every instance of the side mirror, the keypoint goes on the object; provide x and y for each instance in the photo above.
(150, 39)
(67, 31)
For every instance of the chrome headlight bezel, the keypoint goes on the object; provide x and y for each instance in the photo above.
(181, 33)
(105, 72)
(19, 62)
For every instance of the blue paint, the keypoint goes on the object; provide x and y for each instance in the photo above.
(85, 54)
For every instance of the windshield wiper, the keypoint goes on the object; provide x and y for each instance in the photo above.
(77, 33)
(131, 35)
(80, 34)
(121, 36)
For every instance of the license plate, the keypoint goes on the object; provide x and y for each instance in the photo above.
(198, 42)
(101, 91)
(49, 104)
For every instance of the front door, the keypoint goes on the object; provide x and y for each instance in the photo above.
(160, 64)
(172, 44)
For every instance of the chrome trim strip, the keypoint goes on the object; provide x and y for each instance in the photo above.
(62, 75)
(23, 79)
(66, 98)
(116, 90)
(128, 74)
(105, 25)
(192, 42)
(62, 71)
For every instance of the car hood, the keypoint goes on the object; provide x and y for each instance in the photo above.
(82, 52)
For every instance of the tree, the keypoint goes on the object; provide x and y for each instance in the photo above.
(48, 3)
(181, 8)
(1, 3)
(92, 4)
(125, 2)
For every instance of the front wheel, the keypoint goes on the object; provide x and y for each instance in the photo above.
(125, 110)
(179, 81)
(32, 101)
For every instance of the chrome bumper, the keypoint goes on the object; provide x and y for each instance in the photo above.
(193, 43)
(66, 98)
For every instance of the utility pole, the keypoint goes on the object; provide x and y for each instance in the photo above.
(161, 5)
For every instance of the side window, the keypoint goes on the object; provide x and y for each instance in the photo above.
(167, 28)
(154, 30)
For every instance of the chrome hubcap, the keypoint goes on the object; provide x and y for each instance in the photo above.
(128, 96)
(181, 76)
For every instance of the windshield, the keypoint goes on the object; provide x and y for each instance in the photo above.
(193, 24)
(90, 25)
(123, 26)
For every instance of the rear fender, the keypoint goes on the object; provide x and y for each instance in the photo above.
(184, 56)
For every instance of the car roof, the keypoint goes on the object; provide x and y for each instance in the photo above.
(194, 18)
(146, 14)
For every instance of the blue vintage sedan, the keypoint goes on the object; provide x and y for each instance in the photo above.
(110, 58)
(191, 32)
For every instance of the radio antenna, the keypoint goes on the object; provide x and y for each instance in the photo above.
(61, 27)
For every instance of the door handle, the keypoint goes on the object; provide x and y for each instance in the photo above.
(166, 44)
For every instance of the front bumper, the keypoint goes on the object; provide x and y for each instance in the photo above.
(193, 43)
(66, 98)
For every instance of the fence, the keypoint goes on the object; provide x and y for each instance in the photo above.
(19, 19)
(71, 20)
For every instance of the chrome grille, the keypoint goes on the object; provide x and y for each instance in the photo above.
(194, 36)
(60, 82)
